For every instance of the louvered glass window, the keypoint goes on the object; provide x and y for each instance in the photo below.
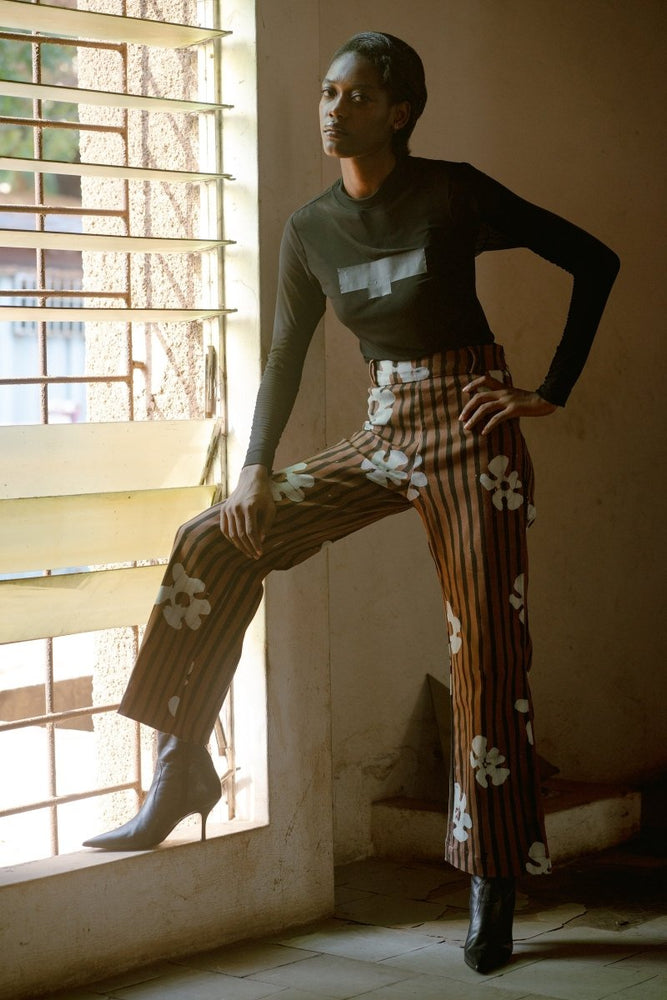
(112, 400)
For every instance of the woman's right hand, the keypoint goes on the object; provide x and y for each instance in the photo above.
(247, 513)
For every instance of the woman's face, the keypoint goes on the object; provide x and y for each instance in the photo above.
(357, 118)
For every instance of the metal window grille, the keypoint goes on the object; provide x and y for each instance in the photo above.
(47, 299)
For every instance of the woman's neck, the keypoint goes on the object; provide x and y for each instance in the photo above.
(363, 177)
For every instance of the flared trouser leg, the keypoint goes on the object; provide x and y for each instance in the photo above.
(211, 591)
(474, 494)
(476, 501)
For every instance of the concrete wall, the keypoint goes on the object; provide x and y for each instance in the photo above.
(562, 101)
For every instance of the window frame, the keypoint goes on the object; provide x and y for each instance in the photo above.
(107, 28)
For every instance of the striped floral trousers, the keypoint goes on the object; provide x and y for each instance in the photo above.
(474, 494)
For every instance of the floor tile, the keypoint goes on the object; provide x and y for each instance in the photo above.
(132, 978)
(391, 911)
(570, 979)
(589, 944)
(349, 893)
(246, 959)
(652, 959)
(333, 977)
(292, 994)
(186, 984)
(364, 942)
(530, 925)
(650, 931)
(412, 881)
(324, 928)
(440, 988)
(74, 994)
(444, 960)
(457, 895)
(451, 927)
(650, 989)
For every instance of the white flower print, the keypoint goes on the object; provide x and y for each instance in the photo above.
(417, 480)
(175, 701)
(386, 466)
(461, 821)
(531, 514)
(505, 487)
(539, 863)
(517, 599)
(522, 705)
(403, 369)
(183, 606)
(293, 484)
(487, 762)
(384, 400)
(455, 640)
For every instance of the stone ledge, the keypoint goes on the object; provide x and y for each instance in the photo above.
(581, 818)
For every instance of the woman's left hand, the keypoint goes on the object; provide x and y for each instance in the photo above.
(493, 402)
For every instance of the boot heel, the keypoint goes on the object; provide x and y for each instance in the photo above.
(204, 818)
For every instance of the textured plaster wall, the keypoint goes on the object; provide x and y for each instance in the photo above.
(562, 101)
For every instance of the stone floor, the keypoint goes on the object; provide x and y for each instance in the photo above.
(595, 928)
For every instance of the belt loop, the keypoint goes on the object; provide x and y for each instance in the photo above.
(372, 371)
(473, 360)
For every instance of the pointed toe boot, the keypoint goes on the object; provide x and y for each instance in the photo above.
(185, 782)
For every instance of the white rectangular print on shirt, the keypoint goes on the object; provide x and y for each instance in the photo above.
(377, 275)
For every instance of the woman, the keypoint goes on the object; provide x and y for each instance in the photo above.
(392, 244)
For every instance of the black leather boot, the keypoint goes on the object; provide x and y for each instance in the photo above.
(184, 782)
(489, 942)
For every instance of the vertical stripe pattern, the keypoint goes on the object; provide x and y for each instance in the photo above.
(474, 494)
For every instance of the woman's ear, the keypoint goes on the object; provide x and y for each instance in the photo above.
(401, 115)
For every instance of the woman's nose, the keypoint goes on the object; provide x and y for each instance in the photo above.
(335, 109)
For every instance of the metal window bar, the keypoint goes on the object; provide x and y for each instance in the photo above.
(100, 31)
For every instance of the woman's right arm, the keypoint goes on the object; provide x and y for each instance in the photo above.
(248, 513)
(246, 516)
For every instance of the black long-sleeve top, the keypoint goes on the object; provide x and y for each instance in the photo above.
(399, 268)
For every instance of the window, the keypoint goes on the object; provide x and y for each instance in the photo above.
(111, 386)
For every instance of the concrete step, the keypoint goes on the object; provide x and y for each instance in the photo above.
(581, 818)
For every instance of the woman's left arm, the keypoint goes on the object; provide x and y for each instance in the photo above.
(511, 221)
(493, 401)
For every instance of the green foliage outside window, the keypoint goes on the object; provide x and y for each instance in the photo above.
(58, 67)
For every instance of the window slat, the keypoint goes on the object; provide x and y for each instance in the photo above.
(102, 27)
(147, 455)
(28, 165)
(74, 314)
(77, 602)
(94, 529)
(33, 240)
(107, 99)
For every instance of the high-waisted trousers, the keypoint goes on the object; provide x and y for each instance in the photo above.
(474, 494)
